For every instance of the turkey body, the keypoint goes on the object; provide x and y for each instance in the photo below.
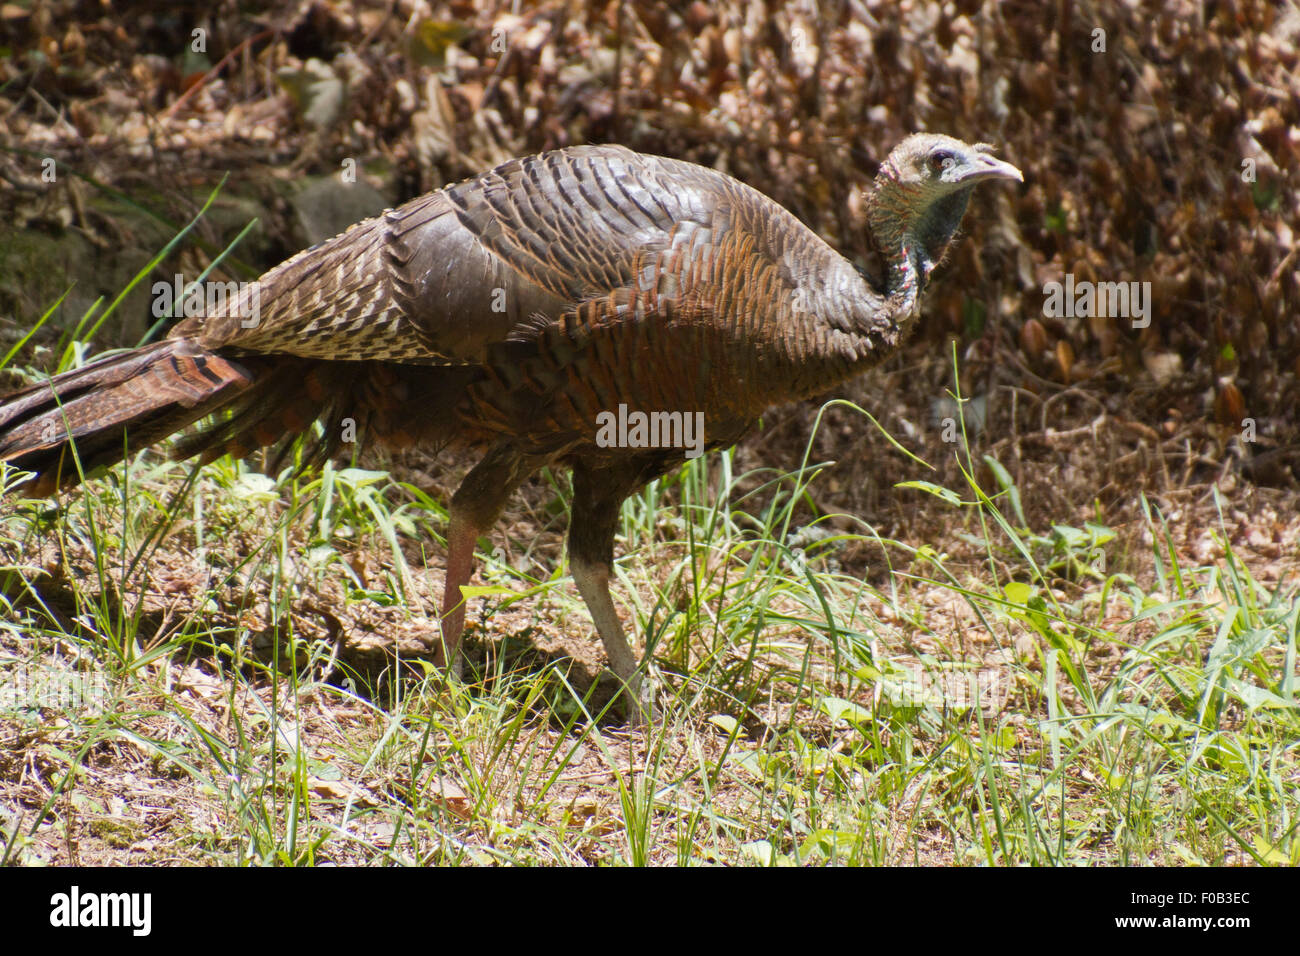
(517, 313)
(522, 304)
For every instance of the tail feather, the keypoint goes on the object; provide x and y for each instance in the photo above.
(128, 400)
(138, 397)
(274, 410)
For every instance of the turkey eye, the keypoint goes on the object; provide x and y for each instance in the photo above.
(941, 161)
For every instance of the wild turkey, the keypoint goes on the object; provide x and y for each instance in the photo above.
(516, 312)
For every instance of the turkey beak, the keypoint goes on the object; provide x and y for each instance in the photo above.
(983, 166)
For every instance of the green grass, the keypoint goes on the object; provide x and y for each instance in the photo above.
(1060, 695)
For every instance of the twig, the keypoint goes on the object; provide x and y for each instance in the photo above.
(211, 74)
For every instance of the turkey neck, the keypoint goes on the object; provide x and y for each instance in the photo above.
(849, 326)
